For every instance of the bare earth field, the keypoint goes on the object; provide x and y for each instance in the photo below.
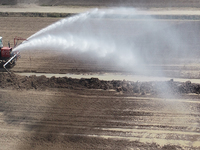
(64, 113)
(93, 119)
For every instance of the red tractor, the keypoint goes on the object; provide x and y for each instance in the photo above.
(8, 57)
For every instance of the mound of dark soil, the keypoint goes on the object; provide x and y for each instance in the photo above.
(42, 82)
(8, 2)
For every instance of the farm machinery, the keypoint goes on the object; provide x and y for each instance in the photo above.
(8, 57)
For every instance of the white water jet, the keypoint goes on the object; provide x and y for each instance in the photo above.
(118, 35)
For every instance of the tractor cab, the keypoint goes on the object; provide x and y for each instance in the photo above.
(8, 57)
(5, 52)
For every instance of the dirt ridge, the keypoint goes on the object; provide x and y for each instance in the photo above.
(42, 83)
(64, 15)
(36, 14)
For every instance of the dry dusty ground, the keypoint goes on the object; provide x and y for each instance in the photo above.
(77, 117)
(132, 3)
(93, 119)
(78, 9)
(64, 113)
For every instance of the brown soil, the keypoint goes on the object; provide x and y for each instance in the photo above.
(135, 3)
(64, 113)
(129, 87)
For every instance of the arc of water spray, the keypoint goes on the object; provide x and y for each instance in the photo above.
(114, 34)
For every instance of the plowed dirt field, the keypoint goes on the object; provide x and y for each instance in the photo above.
(64, 113)
(96, 119)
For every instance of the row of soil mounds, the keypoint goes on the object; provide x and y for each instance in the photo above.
(42, 83)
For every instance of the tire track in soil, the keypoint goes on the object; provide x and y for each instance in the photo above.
(50, 119)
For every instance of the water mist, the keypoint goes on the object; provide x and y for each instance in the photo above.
(118, 35)
(121, 36)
